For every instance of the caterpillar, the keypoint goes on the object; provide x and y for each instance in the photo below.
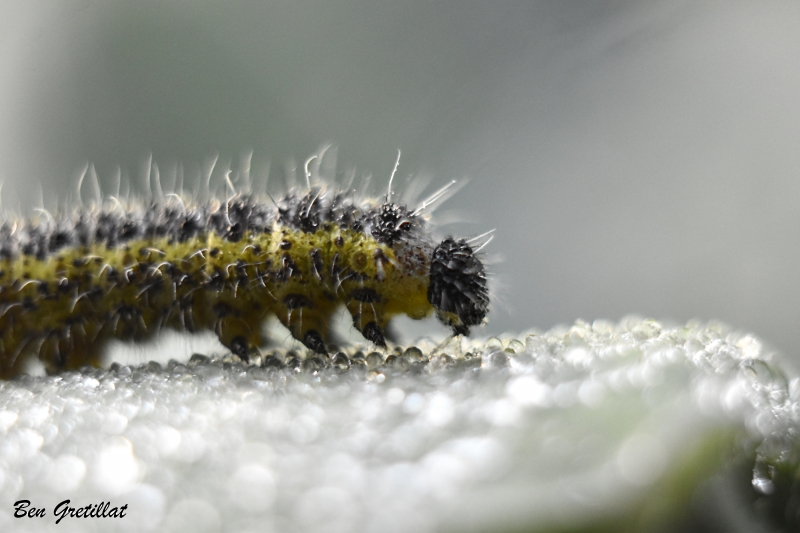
(70, 283)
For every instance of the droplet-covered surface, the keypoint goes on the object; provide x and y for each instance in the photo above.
(595, 427)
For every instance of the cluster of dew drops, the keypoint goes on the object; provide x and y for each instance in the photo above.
(772, 418)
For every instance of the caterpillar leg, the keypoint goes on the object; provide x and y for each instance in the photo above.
(307, 320)
(15, 353)
(238, 330)
(76, 345)
(59, 343)
(60, 352)
(242, 337)
(370, 320)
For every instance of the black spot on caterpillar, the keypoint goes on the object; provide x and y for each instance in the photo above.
(69, 283)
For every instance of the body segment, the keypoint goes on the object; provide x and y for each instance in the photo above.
(67, 285)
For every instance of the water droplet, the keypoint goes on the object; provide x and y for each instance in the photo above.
(440, 411)
(7, 419)
(292, 362)
(271, 361)
(535, 344)
(440, 361)
(199, 516)
(198, 359)
(358, 366)
(578, 355)
(149, 501)
(179, 370)
(400, 362)
(313, 364)
(494, 344)
(413, 354)
(591, 393)
(516, 346)
(114, 423)
(527, 390)
(395, 396)
(413, 403)
(67, 474)
(647, 329)
(115, 468)
(167, 440)
(260, 374)
(603, 327)
(192, 446)
(374, 359)
(750, 346)
(340, 362)
(503, 412)
(252, 487)
(495, 359)
(327, 508)
(374, 376)
(210, 373)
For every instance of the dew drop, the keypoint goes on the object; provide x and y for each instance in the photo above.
(340, 362)
(374, 359)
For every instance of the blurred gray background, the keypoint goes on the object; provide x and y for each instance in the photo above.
(634, 156)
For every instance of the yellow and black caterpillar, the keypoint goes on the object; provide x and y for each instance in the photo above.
(69, 283)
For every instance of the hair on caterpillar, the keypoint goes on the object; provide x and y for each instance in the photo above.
(224, 260)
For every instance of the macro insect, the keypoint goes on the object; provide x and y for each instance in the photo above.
(69, 283)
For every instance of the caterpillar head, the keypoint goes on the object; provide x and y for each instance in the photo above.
(457, 286)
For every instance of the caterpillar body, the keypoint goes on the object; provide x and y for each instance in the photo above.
(69, 283)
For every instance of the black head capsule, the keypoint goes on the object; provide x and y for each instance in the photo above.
(457, 286)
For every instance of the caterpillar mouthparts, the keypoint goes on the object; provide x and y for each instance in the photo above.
(67, 284)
